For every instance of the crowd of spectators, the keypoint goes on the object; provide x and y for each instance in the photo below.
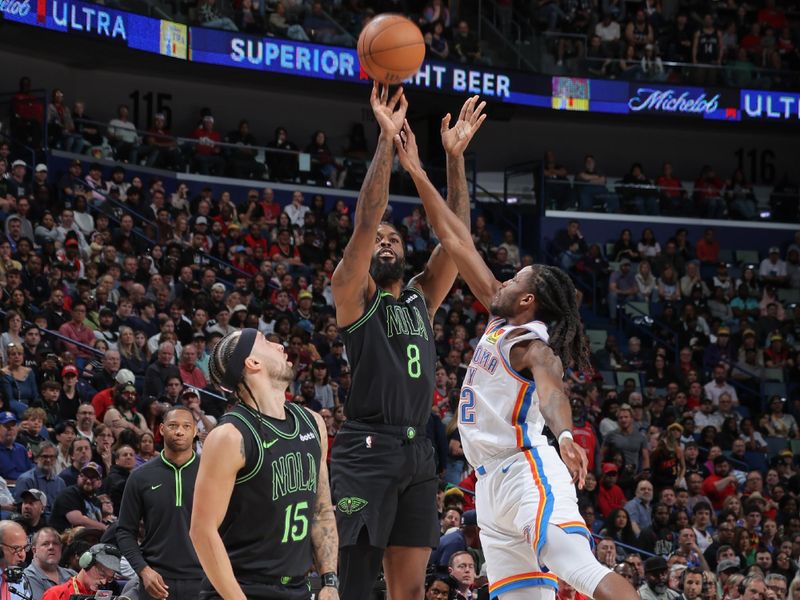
(707, 196)
(110, 314)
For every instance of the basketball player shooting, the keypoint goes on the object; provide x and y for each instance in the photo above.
(531, 530)
(383, 474)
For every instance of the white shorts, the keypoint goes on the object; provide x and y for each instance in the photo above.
(516, 497)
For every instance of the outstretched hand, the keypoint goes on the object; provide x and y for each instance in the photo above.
(456, 139)
(575, 458)
(390, 113)
(407, 151)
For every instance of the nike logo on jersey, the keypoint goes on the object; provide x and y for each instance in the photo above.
(270, 444)
(155, 487)
(508, 466)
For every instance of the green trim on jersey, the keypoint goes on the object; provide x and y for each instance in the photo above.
(309, 421)
(259, 444)
(381, 293)
(178, 476)
(275, 430)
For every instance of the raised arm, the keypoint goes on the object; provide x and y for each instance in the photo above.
(538, 358)
(352, 284)
(324, 537)
(223, 457)
(440, 271)
(449, 228)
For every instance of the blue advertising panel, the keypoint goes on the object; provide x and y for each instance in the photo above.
(287, 57)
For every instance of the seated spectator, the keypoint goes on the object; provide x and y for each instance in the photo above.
(655, 575)
(776, 422)
(457, 541)
(123, 414)
(609, 496)
(668, 288)
(466, 47)
(590, 186)
(80, 453)
(720, 484)
(708, 198)
(42, 477)
(639, 193)
(772, 270)
(14, 459)
(738, 193)
(639, 509)
(102, 569)
(209, 16)
(622, 287)
(78, 505)
(436, 42)
(557, 188)
(18, 382)
(44, 571)
(570, 245)
(208, 158)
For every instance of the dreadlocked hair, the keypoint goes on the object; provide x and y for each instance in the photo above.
(221, 355)
(557, 305)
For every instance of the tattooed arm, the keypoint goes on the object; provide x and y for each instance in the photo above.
(352, 284)
(548, 372)
(223, 458)
(324, 537)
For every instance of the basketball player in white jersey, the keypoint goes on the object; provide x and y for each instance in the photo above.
(531, 530)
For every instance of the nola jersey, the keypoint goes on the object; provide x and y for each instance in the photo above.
(499, 408)
(267, 528)
(393, 357)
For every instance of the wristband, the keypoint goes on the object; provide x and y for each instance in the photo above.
(565, 434)
(330, 580)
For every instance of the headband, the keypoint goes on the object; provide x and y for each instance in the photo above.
(234, 370)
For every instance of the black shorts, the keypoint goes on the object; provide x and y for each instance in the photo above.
(385, 480)
(297, 589)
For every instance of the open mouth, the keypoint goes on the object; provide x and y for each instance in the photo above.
(386, 254)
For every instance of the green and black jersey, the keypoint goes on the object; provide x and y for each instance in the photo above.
(267, 529)
(393, 357)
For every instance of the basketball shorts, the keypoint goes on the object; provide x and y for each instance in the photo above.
(517, 495)
(383, 478)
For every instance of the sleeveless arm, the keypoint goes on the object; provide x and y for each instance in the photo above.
(352, 284)
(223, 457)
(452, 233)
(324, 537)
(440, 271)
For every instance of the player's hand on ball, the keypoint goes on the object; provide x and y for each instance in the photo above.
(575, 458)
(455, 139)
(407, 151)
(390, 113)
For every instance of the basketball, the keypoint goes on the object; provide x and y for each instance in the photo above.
(391, 48)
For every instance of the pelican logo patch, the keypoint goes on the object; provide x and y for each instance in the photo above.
(495, 335)
(350, 504)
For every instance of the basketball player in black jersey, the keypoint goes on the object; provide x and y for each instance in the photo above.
(383, 474)
(262, 512)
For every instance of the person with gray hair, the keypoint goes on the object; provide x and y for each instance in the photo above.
(44, 571)
(777, 583)
(794, 588)
(13, 548)
(42, 477)
(155, 378)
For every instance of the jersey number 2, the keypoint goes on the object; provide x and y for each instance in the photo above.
(414, 367)
(467, 406)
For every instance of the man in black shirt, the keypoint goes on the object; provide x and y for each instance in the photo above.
(383, 470)
(160, 494)
(78, 504)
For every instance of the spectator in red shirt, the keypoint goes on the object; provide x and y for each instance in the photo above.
(190, 373)
(101, 569)
(708, 195)
(707, 248)
(772, 16)
(77, 331)
(207, 152)
(284, 250)
(609, 494)
(582, 430)
(672, 193)
(27, 115)
(720, 484)
(254, 238)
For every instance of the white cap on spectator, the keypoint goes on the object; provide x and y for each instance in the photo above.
(19, 163)
(125, 376)
(40, 167)
(208, 118)
(218, 286)
(201, 220)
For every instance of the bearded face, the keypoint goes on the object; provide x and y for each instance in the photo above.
(386, 267)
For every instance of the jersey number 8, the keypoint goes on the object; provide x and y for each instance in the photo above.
(414, 366)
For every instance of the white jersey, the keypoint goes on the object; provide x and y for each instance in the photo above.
(499, 408)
